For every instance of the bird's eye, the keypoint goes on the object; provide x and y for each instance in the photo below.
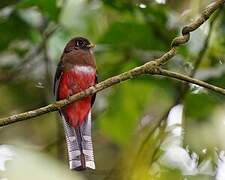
(80, 44)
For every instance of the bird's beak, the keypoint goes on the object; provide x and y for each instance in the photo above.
(91, 45)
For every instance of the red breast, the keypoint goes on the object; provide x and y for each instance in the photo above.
(78, 72)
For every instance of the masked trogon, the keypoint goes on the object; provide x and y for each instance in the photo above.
(76, 72)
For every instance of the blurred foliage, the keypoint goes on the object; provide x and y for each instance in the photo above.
(119, 37)
(128, 33)
(12, 28)
(48, 9)
(8, 2)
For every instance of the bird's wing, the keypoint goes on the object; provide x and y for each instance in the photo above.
(94, 95)
(57, 77)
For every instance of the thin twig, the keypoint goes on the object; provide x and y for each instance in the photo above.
(185, 87)
(206, 44)
(185, 78)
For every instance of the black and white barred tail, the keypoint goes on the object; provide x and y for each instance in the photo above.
(79, 145)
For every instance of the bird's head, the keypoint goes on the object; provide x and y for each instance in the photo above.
(78, 43)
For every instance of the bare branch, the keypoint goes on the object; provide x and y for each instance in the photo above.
(185, 78)
(151, 67)
(206, 43)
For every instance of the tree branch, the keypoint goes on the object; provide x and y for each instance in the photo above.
(185, 78)
(206, 43)
(152, 67)
(149, 68)
(185, 87)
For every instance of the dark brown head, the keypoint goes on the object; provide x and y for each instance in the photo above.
(78, 43)
(78, 51)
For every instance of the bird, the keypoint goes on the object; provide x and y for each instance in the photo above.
(75, 72)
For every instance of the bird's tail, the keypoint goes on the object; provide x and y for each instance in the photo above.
(79, 145)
